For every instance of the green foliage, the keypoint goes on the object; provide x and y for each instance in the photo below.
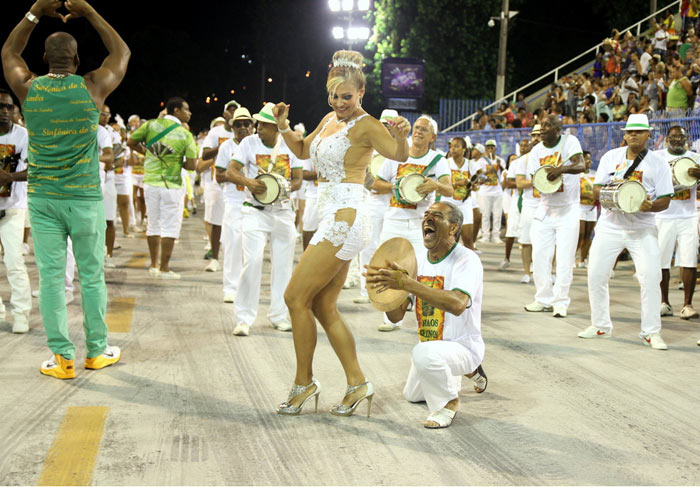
(452, 37)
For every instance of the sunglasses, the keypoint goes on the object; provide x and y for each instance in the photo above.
(242, 124)
(7, 106)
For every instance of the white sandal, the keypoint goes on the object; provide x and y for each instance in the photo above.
(443, 418)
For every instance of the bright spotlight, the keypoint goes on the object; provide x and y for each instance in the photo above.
(334, 5)
(362, 5)
(347, 5)
(338, 33)
(358, 33)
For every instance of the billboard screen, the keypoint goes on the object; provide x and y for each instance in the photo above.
(403, 78)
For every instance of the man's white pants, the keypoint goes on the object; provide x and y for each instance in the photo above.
(643, 246)
(11, 235)
(377, 218)
(232, 245)
(258, 225)
(436, 373)
(557, 229)
(491, 206)
(411, 230)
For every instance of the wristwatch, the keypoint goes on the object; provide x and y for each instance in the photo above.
(31, 18)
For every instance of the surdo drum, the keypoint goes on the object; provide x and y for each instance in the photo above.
(623, 196)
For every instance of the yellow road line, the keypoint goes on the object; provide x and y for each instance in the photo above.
(71, 459)
(138, 261)
(119, 314)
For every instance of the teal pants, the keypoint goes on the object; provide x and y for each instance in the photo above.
(53, 220)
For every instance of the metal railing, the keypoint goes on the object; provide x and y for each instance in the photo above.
(556, 70)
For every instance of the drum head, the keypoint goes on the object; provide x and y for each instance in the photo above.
(544, 185)
(630, 196)
(397, 250)
(271, 193)
(408, 188)
(680, 171)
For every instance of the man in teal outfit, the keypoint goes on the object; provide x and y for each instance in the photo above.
(62, 111)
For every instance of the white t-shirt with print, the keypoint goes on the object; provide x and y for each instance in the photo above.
(215, 138)
(566, 147)
(15, 141)
(457, 174)
(104, 141)
(519, 168)
(232, 192)
(392, 170)
(682, 202)
(587, 200)
(492, 169)
(459, 270)
(654, 174)
(253, 154)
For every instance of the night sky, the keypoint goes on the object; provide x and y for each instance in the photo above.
(196, 50)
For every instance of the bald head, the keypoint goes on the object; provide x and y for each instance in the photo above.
(61, 49)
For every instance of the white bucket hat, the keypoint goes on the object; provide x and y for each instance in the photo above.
(265, 114)
(637, 121)
(387, 115)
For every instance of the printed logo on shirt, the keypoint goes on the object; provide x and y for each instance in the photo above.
(431, 320)
(222, 140)
(587, 192)
(7, 150)
(283, 165)
(403, 170)
(683, 194)
(492, 174)
(460, 192)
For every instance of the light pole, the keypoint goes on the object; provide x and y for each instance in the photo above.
(353, 33)
(506, 15)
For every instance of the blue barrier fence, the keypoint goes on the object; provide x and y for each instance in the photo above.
(597, 138)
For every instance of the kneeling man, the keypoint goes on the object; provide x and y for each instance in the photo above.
(448, 293)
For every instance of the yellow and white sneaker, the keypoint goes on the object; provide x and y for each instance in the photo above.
(110, 356)
(59, 367)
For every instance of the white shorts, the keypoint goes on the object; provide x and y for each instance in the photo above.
(164, 208)
(109, 198)
(681, 231)
(213, 205)
(123, 183)
(513, 220)
(311, 218)
(588, 213)
(137, 180)
(474, 200)
(526, 217)
(467, 212)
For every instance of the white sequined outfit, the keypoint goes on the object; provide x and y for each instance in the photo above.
(328, 156)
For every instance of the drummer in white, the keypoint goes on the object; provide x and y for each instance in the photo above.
(260, 222)
(404, 220)
(491, 194)
(636, 232)
(678, 225)
(555, 223)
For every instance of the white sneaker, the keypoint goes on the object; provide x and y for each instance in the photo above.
(21, 324)
(69, 298)
(536, 307)
(559, 312)
(525, 279)
(213, 266)
(581, 265)
(109, 262)
(207, 247)
(688, 312)
(3, 310)
(497, 240)
(666, 309)
(35, 293)
(241, 330)
(154, 271)
(129, 235)
(612, 274)
(655, 341)
(388, 326)
(283, 325)
(350, 283)
(593, 332)
(361, 300)
(483, 239)
(504, 265)
(25, 249)
(229, 297)
(680, 285)
(170, 275)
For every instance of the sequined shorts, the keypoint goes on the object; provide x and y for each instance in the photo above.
(351, 238)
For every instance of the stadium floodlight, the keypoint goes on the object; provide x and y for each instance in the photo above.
(347, 5)
(334, 5)
(362, 5)
(358, 33)
(338, 33)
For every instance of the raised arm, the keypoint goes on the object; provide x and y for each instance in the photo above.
(16, 71)
(105, 79)
(392, 143)
(299, 146)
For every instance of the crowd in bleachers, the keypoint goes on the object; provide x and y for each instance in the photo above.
(657, 74)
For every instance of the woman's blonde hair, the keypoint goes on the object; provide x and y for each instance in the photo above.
(346, 68)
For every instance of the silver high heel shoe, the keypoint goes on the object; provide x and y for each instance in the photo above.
(288, 409)
(343, 410)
